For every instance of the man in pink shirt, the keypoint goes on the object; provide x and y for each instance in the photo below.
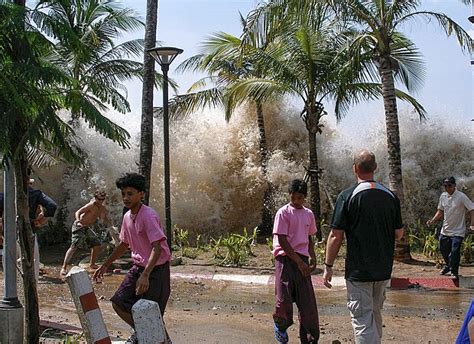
(293, 248)
(141, 232)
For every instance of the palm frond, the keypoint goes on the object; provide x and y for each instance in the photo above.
(352, 94)
(193, 64)
(90, 110)
(187, 104)
(419, 109)
(446, 23)
(258, 89)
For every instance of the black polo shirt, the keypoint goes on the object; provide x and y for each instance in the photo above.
(368, 213)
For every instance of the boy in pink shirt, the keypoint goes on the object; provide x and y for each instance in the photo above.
(295, 259)
(141, 232)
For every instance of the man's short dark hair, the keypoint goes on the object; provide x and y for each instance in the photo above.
(449, 181)
(133, 180)
(298, 185)
(365, 162)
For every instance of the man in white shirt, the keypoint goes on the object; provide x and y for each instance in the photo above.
(452, 208)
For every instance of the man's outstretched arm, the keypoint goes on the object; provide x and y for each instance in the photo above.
(335, 239)
(117, 253)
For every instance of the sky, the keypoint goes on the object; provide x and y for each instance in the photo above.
(448, 86)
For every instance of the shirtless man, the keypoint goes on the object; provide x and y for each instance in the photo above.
(82, 236)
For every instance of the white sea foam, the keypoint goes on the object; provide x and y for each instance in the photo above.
(217, 182)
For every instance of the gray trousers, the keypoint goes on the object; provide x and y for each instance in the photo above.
(365, 302)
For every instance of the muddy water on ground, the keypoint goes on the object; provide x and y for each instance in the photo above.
(222, 312)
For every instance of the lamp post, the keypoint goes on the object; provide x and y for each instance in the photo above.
(10, 298)
(471, 19)
(11, 310)
(164, 56)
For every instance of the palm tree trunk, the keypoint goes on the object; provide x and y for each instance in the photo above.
(25, 233)
(265, 227)
(146, 140)
(312, 122)
(25, 236)
(402, 251)
(74, 122)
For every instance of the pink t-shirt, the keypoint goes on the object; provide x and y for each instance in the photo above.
(297, 225)
(139, 233)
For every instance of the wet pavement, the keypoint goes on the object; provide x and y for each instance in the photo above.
(202, 311)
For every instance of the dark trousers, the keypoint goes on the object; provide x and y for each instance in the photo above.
(158, 290)
(291, 286)
(450, 247)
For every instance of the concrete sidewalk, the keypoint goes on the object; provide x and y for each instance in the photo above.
(398, 283)
(338, 282)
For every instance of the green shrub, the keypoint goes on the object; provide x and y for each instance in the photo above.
(424, 240)
(215, 245)
(238, 248)
(320, 252)
(467, 249)
(270, 246)
(181, 238)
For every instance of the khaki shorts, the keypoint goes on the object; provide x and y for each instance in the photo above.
(83, 237)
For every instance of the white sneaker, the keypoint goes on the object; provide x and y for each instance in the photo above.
(132, 339)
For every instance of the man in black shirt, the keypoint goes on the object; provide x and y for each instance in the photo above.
(368, 215)
(41, 207)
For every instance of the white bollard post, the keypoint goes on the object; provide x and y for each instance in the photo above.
(87, 307)
(149, 325)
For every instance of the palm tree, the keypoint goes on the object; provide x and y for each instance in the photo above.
(146, 138)
(29, 100)
(309, 63)
(395, 58)
(84, 32)
(226, 60)
(32, 92)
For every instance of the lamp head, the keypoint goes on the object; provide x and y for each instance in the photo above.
(164, 55)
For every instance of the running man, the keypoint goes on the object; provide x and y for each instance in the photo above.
(83, 236)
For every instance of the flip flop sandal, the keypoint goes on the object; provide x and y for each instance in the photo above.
(281, 337)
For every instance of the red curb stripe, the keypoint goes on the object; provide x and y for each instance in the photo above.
(103, 341)
(404, 283)
(88, 302)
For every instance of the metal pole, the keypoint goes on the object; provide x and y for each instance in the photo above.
(10, 297)
(166, 155)
(471, 19)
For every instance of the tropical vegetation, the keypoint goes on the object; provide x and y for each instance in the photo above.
(392, 57)
(312, 62)
(227, 60)
(58, 56)
(61, 57)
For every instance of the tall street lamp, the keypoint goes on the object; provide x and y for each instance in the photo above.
(11, 310)
(164, 56)
(471, 19)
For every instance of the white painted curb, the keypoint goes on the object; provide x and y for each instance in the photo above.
(87, 307)
(149, 325)
(243, 278)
